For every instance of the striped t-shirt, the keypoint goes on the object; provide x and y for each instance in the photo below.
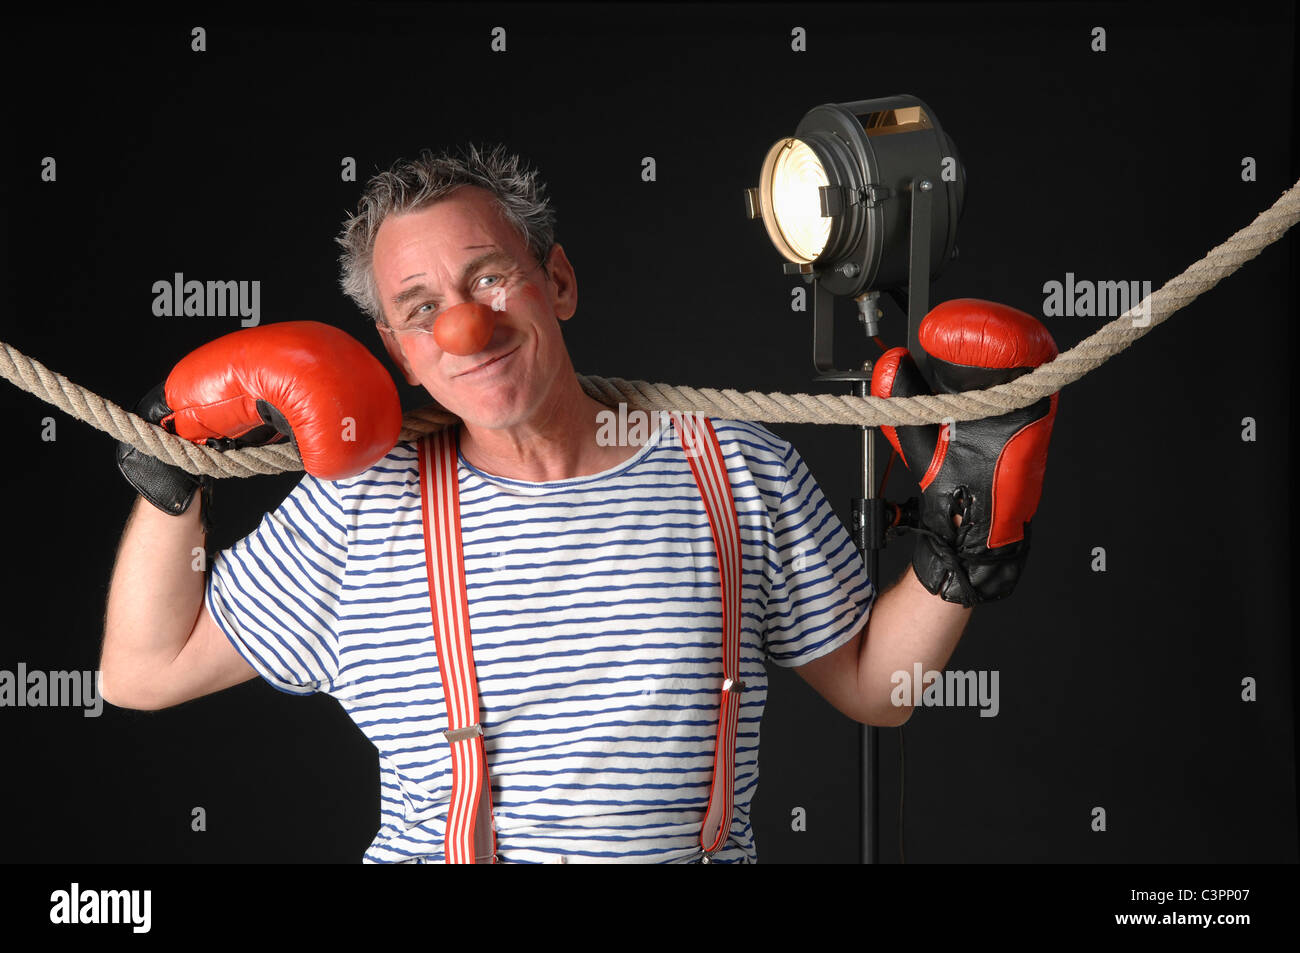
(596, 619)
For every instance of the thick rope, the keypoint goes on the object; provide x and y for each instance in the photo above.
(1090, 353)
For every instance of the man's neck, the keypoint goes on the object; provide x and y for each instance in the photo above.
(557, 444)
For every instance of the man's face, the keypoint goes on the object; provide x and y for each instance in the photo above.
(422, 258)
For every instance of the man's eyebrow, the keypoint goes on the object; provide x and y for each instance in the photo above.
(487, 258)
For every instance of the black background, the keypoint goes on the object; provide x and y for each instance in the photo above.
(1118, 689)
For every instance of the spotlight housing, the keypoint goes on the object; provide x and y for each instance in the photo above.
(835, 196)
(864, 197)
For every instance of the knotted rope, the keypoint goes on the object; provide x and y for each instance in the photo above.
(1093, 351)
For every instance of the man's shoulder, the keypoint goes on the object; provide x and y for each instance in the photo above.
(756, 457)
(756, 442)
(398, 467)
(399, 461)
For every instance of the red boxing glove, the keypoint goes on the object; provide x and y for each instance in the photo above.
(990, 472)
(313, 383)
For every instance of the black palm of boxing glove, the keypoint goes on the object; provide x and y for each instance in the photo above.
(987, 472)
(165, 485)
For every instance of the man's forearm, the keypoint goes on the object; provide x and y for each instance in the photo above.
(908, 625)
(154, 598)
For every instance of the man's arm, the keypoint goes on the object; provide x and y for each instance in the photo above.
(303, 380)
(161, 646)
(980, 485)
(907, 625)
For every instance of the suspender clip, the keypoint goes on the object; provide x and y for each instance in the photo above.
(461, 734)
(733, 685)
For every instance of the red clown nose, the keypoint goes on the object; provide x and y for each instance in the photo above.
(465, 329)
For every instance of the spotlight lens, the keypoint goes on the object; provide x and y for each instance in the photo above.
(796, 175)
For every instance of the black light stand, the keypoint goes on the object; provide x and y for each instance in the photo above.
(868, 519)
(850, 202)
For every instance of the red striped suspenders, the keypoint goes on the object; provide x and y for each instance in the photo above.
(471, 837)
(710, 471)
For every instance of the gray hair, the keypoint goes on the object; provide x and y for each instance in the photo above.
(412, 184)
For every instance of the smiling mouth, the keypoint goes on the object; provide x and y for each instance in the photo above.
(494, 360)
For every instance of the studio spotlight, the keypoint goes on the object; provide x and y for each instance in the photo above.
(864, 198)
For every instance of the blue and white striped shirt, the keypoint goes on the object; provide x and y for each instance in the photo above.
(596, 618)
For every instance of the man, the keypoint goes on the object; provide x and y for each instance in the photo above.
(590, 571)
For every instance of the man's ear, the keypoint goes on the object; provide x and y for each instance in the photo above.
(395, 352)
(564, 284)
